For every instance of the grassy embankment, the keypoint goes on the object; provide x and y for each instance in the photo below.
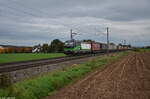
(145, 50)
(142, 50)
(49, 83)
(7, 58)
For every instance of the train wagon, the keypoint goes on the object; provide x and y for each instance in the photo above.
(103, 47)
(85, 47)
(95, 47)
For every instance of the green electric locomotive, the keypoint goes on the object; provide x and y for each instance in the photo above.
(77, 47)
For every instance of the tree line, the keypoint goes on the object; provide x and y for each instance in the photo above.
(56, 46)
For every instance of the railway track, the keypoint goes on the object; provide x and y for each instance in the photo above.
(9, 67)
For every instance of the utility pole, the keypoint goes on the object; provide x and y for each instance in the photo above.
(107, 40)
(71, 34)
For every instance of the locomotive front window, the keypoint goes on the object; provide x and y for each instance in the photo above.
(69, 43)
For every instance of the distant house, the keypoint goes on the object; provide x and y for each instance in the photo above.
(112, 46)
(1, 47)
(36, 49)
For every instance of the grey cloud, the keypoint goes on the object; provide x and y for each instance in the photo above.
(43, 20)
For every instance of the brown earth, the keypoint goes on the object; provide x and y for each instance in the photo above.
(128, 78)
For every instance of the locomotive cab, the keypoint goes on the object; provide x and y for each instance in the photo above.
(71, 47)
(69, 44)
(68, 47)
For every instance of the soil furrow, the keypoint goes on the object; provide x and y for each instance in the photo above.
(128, 78)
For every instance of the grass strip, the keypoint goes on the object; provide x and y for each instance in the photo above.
(46, 84)
(141, 49)
(7, 58)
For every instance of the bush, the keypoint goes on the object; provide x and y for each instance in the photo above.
(5, 80)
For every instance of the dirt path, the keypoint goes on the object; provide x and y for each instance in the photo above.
(128, 78)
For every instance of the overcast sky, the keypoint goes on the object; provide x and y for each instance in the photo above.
(31, 22)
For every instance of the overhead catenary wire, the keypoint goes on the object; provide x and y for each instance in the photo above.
(28, 7)
(21, 11)
(17, 13)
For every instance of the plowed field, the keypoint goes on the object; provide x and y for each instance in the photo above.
(127, 78)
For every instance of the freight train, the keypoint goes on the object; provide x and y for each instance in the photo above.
(81, 47)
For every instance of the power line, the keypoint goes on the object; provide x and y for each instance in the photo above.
(12, 14)
(22, 5)
(19, 10)
(24, 12)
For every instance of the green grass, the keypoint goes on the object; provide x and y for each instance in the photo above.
(141, 49)
(145, 50)
(7, 58)
(49, 83)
